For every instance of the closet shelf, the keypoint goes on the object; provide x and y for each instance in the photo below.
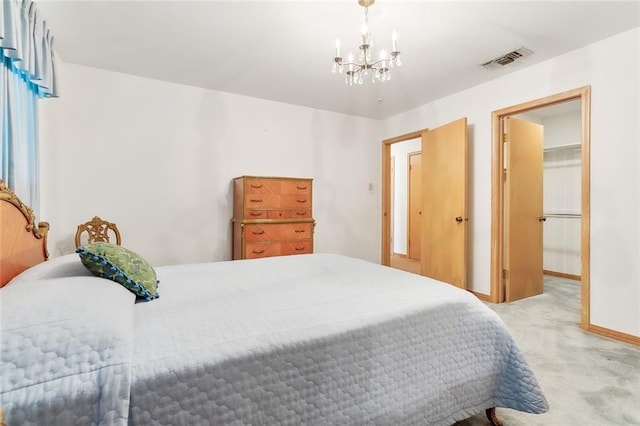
(576, 146)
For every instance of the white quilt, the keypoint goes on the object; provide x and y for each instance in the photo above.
(66, 348)
(320, 339)
(307, 339)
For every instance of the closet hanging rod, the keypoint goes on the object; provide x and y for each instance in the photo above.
(563, 215)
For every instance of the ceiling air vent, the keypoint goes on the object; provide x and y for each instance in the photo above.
(507, 58)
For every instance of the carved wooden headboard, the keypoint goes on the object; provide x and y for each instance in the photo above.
(22, 243)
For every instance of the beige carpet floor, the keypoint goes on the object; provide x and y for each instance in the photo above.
(588, 380)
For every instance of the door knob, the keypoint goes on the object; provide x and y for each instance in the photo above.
(542, 218)
(459, 219)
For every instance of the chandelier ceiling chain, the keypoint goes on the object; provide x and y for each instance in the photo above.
(379, 69)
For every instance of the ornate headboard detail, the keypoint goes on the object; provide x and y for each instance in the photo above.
(22, 243)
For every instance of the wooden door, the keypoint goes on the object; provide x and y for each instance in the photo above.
(523, 209)
(444, 203)
(414, 234)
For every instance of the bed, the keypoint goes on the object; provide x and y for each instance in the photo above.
(304, 339)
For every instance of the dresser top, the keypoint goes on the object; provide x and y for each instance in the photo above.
(271, 177)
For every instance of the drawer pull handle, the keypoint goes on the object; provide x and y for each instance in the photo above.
(254, 186)
(298, 231)
(301, 213)
(257, 232)
(257, 251)
(256, 214)
(301, 187)
(255, 200)
(299, 248)
(301, 201)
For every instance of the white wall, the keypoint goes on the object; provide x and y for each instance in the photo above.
(615, 155)
(400, 151)
(157, 159)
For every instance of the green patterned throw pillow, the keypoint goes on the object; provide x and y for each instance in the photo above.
(121, 265)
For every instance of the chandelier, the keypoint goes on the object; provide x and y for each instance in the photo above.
(379, 69)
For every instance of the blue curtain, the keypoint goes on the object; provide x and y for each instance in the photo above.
(19, 138)
(27, 73)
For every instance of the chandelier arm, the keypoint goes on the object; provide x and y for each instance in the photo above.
(353, 63)
(380, 70)
(374, 63)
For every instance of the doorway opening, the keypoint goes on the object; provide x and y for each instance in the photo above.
(500, 203)
(406, 179)
(392, 220)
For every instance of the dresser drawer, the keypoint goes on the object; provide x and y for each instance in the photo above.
(291, 186)
(277, 201)
(257, 185)
(257, 250)
(289, 214)
(261, 201)
(277, 231)
(297, 247)
(257, 214)
(279, 214)
(254, 185)
(295, 201)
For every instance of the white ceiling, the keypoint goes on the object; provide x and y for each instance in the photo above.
(283, 50)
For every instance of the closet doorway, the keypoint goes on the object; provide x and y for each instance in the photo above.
(522, 214)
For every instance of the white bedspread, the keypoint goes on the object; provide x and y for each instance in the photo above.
(319, 339)
(65, 352)
(310, 339)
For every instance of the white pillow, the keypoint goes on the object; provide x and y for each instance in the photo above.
(59, 267)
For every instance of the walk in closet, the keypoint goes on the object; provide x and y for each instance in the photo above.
(561, 242)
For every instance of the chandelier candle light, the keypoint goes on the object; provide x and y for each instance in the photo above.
(380, 69)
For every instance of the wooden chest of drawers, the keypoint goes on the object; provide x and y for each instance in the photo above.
(272, 216)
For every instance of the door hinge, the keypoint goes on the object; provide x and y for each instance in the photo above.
(505, 274)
